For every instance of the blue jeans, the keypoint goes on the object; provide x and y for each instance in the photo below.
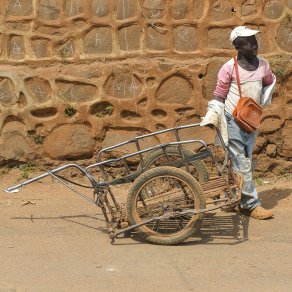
(240, 149)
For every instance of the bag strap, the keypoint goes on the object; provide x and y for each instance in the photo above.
(237, 76)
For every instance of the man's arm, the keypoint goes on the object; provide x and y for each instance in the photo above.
(223, 83)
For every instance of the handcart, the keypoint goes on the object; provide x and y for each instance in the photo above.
(172, 184)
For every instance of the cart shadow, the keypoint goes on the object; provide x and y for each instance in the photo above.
(232, 228)
(217, 228)
(222, 228)
(75, 219)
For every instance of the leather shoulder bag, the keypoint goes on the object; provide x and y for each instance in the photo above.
(247, 113)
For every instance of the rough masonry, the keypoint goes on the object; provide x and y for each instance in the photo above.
(76, 75)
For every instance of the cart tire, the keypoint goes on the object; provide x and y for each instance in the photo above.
(169, 189)
(197, 168)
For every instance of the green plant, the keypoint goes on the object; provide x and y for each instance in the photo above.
(286, 173)
(26, 168)
(259, 180)
(38, 139)
(70, 111)
(108, 110)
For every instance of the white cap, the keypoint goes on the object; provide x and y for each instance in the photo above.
(242, 31)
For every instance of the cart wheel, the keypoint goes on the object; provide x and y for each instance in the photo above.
(169, 190)
(196, 168)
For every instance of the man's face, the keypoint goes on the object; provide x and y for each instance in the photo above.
(247, 46)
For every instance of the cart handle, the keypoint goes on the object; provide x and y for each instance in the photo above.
(15, 188)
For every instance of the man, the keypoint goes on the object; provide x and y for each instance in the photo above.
(255, 76)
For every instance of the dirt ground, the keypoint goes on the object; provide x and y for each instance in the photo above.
(52, 240)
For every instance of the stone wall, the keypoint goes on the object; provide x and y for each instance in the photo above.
(76, 75)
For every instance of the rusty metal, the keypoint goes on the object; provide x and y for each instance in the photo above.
(223, 190)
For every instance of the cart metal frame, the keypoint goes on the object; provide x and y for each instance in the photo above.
(223, 190)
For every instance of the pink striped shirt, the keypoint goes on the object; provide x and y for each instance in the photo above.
(252, 82)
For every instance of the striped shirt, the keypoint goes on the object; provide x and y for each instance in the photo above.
(251, 82)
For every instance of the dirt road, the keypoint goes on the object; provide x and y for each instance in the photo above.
(51, 240)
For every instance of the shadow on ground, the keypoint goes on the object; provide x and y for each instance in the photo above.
(217, 228)
(271, 198)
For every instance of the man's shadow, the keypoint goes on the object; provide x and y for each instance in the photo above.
(270, 198)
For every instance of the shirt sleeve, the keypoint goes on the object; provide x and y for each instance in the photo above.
(223, 81)
(268, 78)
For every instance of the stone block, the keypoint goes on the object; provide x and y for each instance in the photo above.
(156, 39)
(154, 8)
(13, 146)
(176, 89)
(73, 91)
(49, 9)
(100, 8)
(8, 95)
(179, 8)
(16, 48)
(270, 124)
(185, 38)
(41, 47)
(198, 8)
(284, 35)
(39, 89)
(273, 9)
(129, 38)
(218, 38)
(271, 150)
(98, 41)
(66, 50)
(220, 10)
(74, 7)
(70, 142)
(126, 9)
(123, 85)
(249, 7)
(20, 8)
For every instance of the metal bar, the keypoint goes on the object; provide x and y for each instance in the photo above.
(71, 188)
(180, 148)
(176, 163)
(117, 206)
(139, 149)
(150, 135)
(147, 150)
(88, 175)
(166, 216)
